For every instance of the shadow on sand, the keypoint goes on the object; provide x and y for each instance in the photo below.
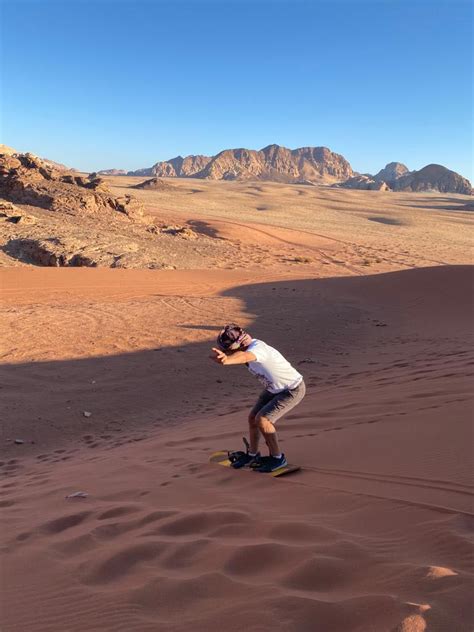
(317, 324)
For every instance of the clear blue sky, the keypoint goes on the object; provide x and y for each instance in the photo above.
(112, 83)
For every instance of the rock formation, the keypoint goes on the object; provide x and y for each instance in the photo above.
(396, 177)
(363, 182)
(26, 179)
(309, 164)
(391, 172)
(4, 149)
(51, 217)
(11, 213)
(50, 252)
(155, 184)
(433, 178)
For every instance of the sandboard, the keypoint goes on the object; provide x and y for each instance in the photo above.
(222, 458)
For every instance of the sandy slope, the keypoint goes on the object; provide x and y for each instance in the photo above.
(374, 534)
(345, 231)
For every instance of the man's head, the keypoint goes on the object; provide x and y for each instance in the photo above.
(233, 338)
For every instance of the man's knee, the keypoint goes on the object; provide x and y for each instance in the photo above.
(264, 424)
(252, 421)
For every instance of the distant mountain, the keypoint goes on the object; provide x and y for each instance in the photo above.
(433, 178)
(396, 177)
(308, 165)
(112, 172)
(391, 172)
(311, 164)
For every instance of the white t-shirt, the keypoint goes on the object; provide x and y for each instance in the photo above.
(271, 368)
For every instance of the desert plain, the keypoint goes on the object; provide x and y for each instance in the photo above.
(108, 389)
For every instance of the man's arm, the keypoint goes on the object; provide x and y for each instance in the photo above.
(238, 357)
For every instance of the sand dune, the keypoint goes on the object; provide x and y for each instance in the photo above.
(374, 534)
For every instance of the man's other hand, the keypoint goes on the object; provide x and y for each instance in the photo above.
(219, 356)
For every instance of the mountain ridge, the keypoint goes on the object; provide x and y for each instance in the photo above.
(309, 165)
(396, 177)
(273, 162)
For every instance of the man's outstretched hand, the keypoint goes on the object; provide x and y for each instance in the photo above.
(235, 357)
(219, 356)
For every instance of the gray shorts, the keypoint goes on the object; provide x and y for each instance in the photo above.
(275, 405)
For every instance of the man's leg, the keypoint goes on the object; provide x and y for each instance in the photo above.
(254, 434)
(254, 430)
(277, 406)
(267, 429)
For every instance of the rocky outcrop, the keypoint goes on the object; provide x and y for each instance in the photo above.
(185, 232)
(4, 149)
(57, 165)
(363, 182)
(50, 217)
(11, 213)
(391, 172)
(50, 252)
(155, 184)
(26, 179)
(433, 178)
(276, 163)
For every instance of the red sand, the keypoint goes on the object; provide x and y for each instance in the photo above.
(373, 535)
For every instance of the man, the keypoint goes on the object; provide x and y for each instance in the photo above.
(284, 389)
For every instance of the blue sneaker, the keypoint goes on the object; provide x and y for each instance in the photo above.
(259, 461)
(243, 459)
(271, 463)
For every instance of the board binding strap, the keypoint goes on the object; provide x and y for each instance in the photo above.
(221, 457)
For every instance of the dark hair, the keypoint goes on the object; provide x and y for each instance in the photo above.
(232, 338)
